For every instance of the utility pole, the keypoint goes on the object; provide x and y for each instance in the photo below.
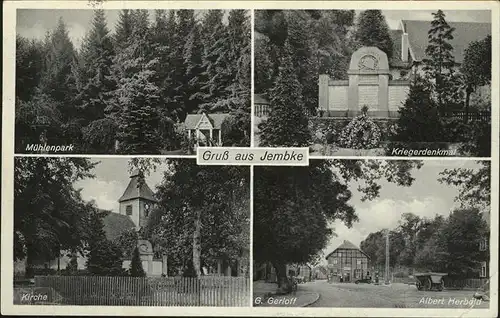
(387, 257)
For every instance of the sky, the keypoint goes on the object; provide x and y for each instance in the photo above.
(34, 23)
(425, 198)
(112, 176)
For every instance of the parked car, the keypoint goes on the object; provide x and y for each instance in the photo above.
(363, 281)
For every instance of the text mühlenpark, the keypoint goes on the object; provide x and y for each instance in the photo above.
(47, 148)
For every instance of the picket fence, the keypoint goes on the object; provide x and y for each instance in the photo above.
(263, 110)
(148, 291)
(450, 283)
(471, 116)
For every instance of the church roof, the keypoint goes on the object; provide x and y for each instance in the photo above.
(346, 245)
(216, 119)
(115, 224)
(135, 191)
(465, 32)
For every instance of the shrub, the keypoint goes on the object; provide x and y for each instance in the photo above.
(136, 269)
(361, 133)
(330, 137)
(478, 139)
(454, 130)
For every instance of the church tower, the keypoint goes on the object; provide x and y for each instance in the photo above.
(137, 201)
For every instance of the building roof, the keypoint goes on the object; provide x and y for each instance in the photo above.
(259, 99)
(192, 120)
(115, 224)
(465, 32)
(346, 245)
(395, 61)
(135, 191)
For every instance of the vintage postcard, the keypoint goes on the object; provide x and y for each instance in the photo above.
(251, 158)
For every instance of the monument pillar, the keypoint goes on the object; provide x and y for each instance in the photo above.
(164, 265)
(369, 66)
(323, 92)
(353, 95)
(383, 95)
(146, 254)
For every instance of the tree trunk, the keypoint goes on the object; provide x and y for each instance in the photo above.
(281, 277)
(29, 267)
(468, 91)
(197, 244)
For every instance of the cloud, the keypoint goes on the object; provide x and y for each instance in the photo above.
(384, 214)
(76, 33)
(104, 193)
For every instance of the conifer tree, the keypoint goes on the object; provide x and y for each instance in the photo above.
(193, 61)
(185, 22)
(439, 64)
(137, 98)
(372, 30)
(418, 120)
(104, 257)
(58, 82)
(263, 66)
(218, 72)
(95, 81)
(136, 269)
(287, 125)
(211, 24)
(123, 29)
(304, 59)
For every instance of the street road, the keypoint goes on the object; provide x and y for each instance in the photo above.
(394, 296)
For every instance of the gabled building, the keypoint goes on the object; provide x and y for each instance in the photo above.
(348, 263)
(205, 129)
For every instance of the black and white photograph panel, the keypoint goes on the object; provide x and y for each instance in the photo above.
(372, 233)
(131, 81)
(374, 82)
(130, 232)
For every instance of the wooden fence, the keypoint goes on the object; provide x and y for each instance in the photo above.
(263, 110)
(471, 116)
(466, 283)
(149, 291)
(449, 283)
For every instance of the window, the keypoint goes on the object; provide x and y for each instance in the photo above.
(483, 244)
(129, 209)
(146, 209)
(357, 273)
(335, 261)
(483, 269)
(358, 261)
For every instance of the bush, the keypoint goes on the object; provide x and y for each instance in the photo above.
(330, 138)
(105, 259)
(419, 117)
(478, 139)
(361, 133)
(454, 130)
(136, 269)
